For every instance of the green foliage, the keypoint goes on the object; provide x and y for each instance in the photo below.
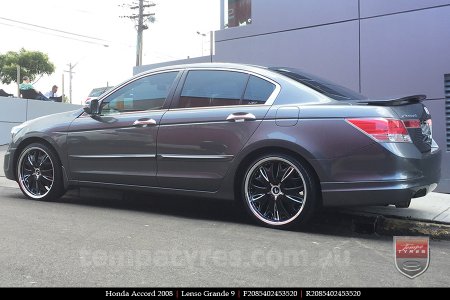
(32, 64)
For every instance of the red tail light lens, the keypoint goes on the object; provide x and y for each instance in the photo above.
(412, 123)
(382, 129)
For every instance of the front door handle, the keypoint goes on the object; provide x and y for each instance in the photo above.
(144, 122)
(241, 117)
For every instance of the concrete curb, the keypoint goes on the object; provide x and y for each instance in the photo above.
(394, 226)
(397, 226)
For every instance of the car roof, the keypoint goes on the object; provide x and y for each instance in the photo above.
(219, 65)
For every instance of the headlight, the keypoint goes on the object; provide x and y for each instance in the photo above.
(17, 128)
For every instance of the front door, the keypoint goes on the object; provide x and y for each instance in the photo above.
(119, 145)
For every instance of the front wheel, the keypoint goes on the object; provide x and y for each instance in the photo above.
(39, 173)
(279, 191)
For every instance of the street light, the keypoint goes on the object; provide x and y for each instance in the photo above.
(203, 37)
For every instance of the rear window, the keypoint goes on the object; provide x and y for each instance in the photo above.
(258, 91)
(329, 89)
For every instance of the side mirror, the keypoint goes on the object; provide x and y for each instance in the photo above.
(92, 107)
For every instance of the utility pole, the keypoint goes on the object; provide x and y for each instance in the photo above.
(62, 88)
(70, 71)
(18, 81)
(141, 18)
(211, 45)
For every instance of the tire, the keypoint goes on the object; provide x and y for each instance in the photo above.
(279, 191)
(39, 173)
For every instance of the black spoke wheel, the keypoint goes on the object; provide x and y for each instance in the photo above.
(279, 191)
(39, 173)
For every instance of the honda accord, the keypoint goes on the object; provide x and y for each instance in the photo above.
(278, 140)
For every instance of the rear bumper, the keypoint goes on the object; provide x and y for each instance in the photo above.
(375, 193)
(418, 178)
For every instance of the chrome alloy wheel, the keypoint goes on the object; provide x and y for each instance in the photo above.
(275, 191)
(35, 172)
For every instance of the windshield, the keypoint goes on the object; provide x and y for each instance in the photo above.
(329, 89)
(99, 91)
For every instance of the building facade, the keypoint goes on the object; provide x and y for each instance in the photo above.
(381, 48)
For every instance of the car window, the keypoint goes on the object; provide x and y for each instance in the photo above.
(329, 89)
(204, 88)
(147, 93)
(258, 91)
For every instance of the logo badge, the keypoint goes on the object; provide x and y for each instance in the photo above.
(412, 255)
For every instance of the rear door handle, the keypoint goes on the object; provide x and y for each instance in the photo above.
(144, 122)
(241, 117)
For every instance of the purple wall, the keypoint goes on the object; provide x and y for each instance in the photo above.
(380, 47)
(370, 8)
(406, 53)
(336, 45)
(270, 16)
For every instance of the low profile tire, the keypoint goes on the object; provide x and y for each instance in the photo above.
(279, 191)
(39, 173)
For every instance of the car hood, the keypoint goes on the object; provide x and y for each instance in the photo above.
(45, 125)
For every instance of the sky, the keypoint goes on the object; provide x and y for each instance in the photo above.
(102, 46)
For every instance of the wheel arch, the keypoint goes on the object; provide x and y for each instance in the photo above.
(250, 156)
(34, 139)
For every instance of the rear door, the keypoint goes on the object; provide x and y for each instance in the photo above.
(214, 115)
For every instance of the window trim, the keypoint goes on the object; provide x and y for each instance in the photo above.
(177, 95)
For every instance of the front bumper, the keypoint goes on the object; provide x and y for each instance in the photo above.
(8, 164)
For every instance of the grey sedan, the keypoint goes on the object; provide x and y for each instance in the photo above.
(278, 140)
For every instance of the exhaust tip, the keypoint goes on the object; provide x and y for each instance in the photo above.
(403, 204)
(420, 193)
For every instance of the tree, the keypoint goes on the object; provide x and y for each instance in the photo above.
(32, 64)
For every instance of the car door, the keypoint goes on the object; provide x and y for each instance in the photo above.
(214, 115)
(119, 145)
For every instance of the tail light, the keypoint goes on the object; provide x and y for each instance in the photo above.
(385, 130)
(412, 123)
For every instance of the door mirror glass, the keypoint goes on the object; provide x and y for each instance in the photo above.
(92, 107)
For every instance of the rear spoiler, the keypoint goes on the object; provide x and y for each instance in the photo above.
(394, 102)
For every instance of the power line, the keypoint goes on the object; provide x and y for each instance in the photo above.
(54, 34)
(52, 29)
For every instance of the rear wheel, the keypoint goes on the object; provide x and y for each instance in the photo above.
(279, 191)
(39, 173)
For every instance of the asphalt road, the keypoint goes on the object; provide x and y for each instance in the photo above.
(153, 241)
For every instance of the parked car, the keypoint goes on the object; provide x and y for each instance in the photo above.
(279, 140)
(97, 92)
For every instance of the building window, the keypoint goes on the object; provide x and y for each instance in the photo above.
(447, 108)
(238, 13)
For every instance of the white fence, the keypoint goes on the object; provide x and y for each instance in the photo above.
(16, 110)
